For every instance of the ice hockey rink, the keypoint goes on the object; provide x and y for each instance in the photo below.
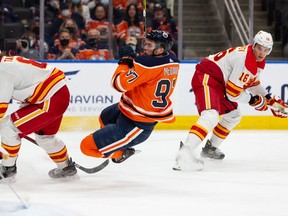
(252, 180)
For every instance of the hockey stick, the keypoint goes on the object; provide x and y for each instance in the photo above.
(24, 201)
(84, 169)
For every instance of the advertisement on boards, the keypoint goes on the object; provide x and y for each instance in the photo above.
(91, 91)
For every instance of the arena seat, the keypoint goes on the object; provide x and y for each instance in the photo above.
(11, 30)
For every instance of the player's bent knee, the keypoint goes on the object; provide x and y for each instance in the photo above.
(89, 148)
(9, 133)
(50, 143)
(208, 119)
(231, 119)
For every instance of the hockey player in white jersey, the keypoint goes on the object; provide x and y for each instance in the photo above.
(219, 83)
(44, 96)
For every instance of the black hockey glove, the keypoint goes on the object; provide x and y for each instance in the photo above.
(258, 102)
(127, 55)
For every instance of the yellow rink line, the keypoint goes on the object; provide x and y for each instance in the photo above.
(87, 123)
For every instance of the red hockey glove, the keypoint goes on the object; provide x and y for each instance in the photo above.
(258, 102)
(277, 106)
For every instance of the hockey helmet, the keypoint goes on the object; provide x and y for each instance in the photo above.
(161, 38)
(264, 39)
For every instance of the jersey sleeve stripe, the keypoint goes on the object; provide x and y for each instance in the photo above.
(232, 89)
(43, 88)
(117, 84)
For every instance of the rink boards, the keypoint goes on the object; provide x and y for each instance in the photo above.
(91, 92)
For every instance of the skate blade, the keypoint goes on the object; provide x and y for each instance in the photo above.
(176, 167)
(8, 180)
(71, 178)
(207, 157)
(186, 160)
(189, 166)
(67, 178)
(191, 163)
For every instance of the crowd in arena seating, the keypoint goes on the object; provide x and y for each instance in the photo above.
(79, 29)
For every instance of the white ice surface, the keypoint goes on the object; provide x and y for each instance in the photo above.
(252, 180)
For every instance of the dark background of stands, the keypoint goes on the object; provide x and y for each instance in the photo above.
(269, 15)
(9, 32)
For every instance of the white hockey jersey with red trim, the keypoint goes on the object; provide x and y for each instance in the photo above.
(27, 81)
(240, 71)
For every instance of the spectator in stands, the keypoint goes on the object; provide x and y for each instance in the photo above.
(28, 46)
(7, 14)
(65, 14)
(71, 25)
(77, 7)
(131, 25)
(100, 21)
(123, 4)
(132, 42)
(162, 22)
(152, 3)
(34, 26)
(62, 50)
(52, 10)
(92, 4)
(93, 49)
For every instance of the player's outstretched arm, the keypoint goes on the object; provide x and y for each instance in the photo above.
(277, 106)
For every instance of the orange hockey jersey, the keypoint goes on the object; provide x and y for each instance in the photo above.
(147, 87)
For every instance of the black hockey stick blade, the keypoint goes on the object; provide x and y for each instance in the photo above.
(93, 169)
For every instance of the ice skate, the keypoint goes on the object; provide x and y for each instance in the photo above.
(212, 152)
(186, 160)
(125, 155)
(68, 171)
(7, 172)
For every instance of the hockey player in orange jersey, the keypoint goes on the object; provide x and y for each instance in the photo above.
(43, 94)
(146, 83)
(219, 83)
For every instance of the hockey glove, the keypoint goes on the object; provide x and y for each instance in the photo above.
(277, 106)
(127, 55)
(258, 102)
